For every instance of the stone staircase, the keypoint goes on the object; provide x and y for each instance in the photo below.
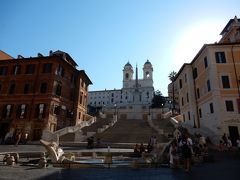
(164, 124)
(99, 125)
(100, 122)
(129, 131)
(68, 133)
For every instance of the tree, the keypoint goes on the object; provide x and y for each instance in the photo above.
(158, 100)
(172, 76)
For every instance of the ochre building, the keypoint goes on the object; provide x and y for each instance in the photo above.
(209, 87)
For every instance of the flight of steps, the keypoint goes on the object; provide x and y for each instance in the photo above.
(130, 131)
(164, 124)
(100, 123)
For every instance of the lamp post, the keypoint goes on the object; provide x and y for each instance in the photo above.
(170, 102)
(162, 111)
(115, 109)
(149, 109)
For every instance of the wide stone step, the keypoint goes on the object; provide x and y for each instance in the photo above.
(98, 124)
(67, 137)
(132, 131)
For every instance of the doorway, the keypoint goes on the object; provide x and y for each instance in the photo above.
(4, 128)
(234, 134)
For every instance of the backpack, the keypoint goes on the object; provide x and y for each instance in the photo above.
(185, 148)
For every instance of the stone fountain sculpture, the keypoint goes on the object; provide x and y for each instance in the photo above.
(55, 153)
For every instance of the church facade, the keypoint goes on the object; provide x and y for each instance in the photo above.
(134, 91)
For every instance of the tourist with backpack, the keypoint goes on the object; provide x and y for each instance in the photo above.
(186, 145)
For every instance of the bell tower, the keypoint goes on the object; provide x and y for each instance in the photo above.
(127, 75)
(147, 70)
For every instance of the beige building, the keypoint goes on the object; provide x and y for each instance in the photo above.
(209, 87)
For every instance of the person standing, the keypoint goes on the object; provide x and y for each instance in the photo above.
(186, 152)
(173, 155)
(18, 138)
(238, 143)
(25, 138)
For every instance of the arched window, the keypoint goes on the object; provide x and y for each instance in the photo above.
(147, 74)
(126, 75)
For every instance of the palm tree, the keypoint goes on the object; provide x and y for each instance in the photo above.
(172, 76)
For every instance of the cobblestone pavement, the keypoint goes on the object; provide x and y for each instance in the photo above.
(226, 166)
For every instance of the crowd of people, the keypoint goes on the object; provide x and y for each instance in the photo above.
(183, 148)
(15, 138)
(140, 148)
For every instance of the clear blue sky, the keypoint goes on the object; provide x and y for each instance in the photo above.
(103, 35)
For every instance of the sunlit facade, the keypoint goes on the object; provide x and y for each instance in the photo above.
(209, 86)
(134, 91)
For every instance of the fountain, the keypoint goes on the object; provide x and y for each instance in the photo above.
(55, 153)
(68, 160)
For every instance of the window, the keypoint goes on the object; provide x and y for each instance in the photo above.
(11, 88)
(187, 97)
(60, 71)
(3, 71)
(79, 115)
(229, 105)
(147, 74)
(81, 98)
(56, 110)
(126, 75)
(40, 111)
(200, 113)
(26, 88)
(220, 57)
(184, 118)
(47, 68)
(43, 88)
(82, 84)
(73, 80)
(205, 62)
(147, 95)
(22, 111)
(225, 82)
(30, 69)
(185, 77)
(198, 93)
(195, 73)
(58, 90)
(180, 83)
(69, 113)
(7, 111)
(189, 116)
(0, 87)
(208, 85)
(16, 69)
(211, 108)
(182, 101)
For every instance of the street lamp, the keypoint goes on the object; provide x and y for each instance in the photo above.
(149, 109)
(115, 107)
(103, 109)
(162, 111)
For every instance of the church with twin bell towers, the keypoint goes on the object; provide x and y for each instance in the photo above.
(134, 92)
